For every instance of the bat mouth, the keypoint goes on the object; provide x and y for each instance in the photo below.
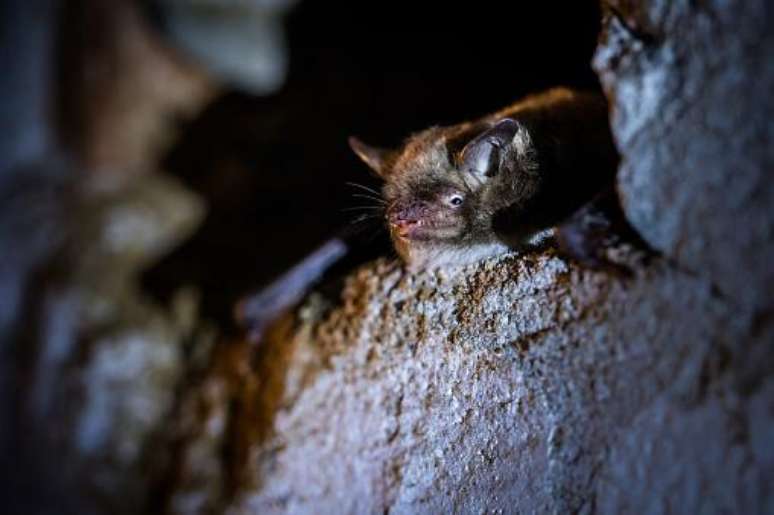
(405, 228)
(418, 230)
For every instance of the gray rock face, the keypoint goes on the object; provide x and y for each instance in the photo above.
(692, 118)
(107, 359)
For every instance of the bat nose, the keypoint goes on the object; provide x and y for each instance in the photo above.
(413, 211)
(401, 216)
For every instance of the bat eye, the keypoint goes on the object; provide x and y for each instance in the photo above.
(455, 200)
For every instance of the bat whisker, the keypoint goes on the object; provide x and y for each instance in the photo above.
(363, 187)
(369, 197)
(364, 219)
(377, 209)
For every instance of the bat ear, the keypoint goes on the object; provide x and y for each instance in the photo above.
(483, 155)
(377, 159)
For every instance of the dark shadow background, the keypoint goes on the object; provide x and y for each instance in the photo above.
(274, 169)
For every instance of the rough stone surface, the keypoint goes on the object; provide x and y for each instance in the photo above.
(692, 118)
(423, 394)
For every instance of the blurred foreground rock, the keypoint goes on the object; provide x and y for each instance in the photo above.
(241, 41)
(101, 370)
(92, 366)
